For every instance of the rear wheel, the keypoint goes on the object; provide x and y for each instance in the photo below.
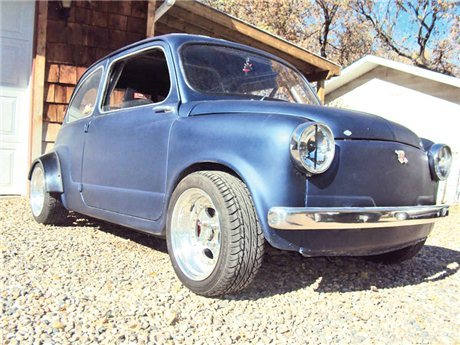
(399, 255)
(46, 208)
(214, 237)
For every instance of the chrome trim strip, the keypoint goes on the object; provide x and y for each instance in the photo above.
(330, 218)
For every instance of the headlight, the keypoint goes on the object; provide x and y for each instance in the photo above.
(440, 157)
(313, 147)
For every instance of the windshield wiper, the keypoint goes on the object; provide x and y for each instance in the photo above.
(271, 94)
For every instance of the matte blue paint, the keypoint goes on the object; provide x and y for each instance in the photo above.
(361, 125)
(125, 168)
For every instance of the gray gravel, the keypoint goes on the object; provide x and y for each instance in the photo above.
(95, 282)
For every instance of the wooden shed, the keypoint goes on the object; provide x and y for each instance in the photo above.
(47, 45)
(196, 18)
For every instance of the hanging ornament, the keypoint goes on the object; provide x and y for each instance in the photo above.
(247, 66)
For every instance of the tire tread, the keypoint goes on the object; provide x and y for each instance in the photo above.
(53, 212)
(245, 239)
(57, 212)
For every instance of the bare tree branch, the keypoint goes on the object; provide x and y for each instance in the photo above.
(425, 19)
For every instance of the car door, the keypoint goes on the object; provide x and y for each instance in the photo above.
(126, 144)
(71, 138)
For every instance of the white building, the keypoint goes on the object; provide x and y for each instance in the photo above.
(426, 102)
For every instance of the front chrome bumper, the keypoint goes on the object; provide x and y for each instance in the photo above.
(325, 218)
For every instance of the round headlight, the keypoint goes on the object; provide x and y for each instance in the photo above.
(313, 147)
(440, 157)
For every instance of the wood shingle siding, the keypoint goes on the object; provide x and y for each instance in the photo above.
(96, 28)
(93, 30)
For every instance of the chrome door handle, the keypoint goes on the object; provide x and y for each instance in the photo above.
(163, 110)
(86, 127)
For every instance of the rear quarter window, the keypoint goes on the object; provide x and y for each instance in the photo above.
(84, 99)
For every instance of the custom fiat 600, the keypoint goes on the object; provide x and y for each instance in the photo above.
(224, 149)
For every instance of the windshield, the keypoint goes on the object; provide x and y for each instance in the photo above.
(226, 71)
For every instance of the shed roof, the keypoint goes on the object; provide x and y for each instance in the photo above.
(369, 62)
(196, 18)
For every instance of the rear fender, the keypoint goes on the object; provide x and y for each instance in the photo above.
(52, 169)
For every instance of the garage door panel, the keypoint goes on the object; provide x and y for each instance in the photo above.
(15, 19)
(8, 122)
(7, 167)
(16, 40)
(15, 65)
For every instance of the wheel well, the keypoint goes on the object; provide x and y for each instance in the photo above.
(204, 166)
(32, 166)
(52, 170)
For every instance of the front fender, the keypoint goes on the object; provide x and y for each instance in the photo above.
(255, 147)
(52, 169)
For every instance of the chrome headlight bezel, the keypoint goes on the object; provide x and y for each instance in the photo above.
(440, 159)
(297, 146)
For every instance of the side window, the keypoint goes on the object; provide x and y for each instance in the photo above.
(138, 80)
(84, 101)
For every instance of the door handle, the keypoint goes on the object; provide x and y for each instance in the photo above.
(163, 110)
(86, 127)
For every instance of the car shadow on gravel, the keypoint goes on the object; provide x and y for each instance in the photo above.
(284, 272)
(144, 239)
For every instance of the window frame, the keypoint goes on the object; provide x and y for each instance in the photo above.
(77, 89)
(110, 69)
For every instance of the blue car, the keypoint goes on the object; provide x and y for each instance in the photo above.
(225, 149)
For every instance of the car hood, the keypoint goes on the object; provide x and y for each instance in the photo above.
(345, 124)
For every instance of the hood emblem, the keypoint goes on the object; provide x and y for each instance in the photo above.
(401, 156)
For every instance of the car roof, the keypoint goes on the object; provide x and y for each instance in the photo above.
(175, 40)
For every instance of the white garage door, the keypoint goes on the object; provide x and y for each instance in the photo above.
(16, 40)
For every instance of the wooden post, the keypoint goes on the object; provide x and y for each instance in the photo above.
(320, 90)
(38, 79)
(151, 18)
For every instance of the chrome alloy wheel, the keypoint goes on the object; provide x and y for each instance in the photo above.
(37, 191)
(195, 234)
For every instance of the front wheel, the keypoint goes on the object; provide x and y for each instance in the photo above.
(214, 238)
(46, 208)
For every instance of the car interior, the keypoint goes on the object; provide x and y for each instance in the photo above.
(138, 80)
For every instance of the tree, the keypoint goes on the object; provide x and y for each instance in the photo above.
(416, 30)
(282, 18)
(354, 41)
(342, 36)
(423, 32)
(320, 25)
(329, 11)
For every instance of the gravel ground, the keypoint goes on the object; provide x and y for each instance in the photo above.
(92, 282)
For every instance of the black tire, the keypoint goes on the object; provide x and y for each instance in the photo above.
(52, 212)
(241, 237)
(399, 255)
